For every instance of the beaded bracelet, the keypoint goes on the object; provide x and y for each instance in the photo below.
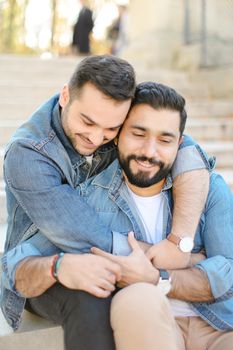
(56, 265)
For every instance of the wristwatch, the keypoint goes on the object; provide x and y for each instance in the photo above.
(164, 282)
(185, 243)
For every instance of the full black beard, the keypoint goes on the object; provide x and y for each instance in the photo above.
(141, 179)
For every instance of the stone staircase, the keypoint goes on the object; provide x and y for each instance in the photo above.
(26, 82)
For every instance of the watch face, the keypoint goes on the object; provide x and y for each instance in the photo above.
(186, 244)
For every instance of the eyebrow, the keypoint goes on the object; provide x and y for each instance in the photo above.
(164, 133)
(93, 122)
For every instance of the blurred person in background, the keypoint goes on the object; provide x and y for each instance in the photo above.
(82, 30)
(117, 32)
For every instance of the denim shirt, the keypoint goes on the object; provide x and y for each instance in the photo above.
(42, 171)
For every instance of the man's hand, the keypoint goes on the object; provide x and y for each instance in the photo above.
(166, 255)
(134, 268)
(144, 246)
(93, 274)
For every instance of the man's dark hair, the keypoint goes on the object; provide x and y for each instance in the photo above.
(111, 75)
(160, 96)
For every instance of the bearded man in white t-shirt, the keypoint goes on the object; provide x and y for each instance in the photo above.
(186, 309)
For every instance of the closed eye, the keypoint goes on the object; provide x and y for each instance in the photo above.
(114, 129)
(166, 140)
(137, 134)
(87, 123)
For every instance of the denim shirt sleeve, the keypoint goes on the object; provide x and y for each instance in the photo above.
(218, 239)
(54, 206)
(10, 261)
(190, 157)
(37, 245)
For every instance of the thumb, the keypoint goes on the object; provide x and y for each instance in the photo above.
(133, 242)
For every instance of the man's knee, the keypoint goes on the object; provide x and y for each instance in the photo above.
(138, 299)
(87, 308)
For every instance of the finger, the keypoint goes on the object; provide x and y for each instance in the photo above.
(121, 284)
(114, 269)
(106, 285)
(99, 292)
(133, 242)
(100, 252)
(111, 278)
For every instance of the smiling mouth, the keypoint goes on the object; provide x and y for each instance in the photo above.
(89, 143)
(145, 164)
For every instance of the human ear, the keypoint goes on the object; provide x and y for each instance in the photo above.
(116, 140)
(64, 97)
(181, 140)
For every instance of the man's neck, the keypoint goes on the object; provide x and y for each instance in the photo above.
(146, 191)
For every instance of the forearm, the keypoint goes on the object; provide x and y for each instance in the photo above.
(190, 191)
(191, 285)
(33, 276)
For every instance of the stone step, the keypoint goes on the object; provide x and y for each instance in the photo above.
(7, 128)
(34, 333)
(208, 108)
(26, 67)
(20, 110)
(222, 150)
(27, 91)
(3, 228)
(3, 212)
(210, 129)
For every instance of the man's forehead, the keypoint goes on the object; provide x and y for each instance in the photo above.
(146, 117)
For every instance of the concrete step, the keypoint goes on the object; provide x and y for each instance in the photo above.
(208, 108)
(210, 129)
(3, 228)
(222, 150)
(3, 212)
(20, 110)
(27, 91)
(7, 128)
(25, 68)
(35, 333)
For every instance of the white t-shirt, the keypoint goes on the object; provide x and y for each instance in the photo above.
(150, 210)
(89, 159)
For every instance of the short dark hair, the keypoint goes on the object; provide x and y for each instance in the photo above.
(111, 75)
(160, 96)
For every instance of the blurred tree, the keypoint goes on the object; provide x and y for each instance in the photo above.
(11, 25)
(53, 22)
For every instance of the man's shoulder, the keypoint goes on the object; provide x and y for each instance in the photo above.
(37, 130)
(219, 192)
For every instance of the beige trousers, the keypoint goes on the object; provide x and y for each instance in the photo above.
(142, 319)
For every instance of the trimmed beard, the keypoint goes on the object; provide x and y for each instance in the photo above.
(141, 178)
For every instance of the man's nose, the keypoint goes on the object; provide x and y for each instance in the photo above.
(97, 137)
(150, 148)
